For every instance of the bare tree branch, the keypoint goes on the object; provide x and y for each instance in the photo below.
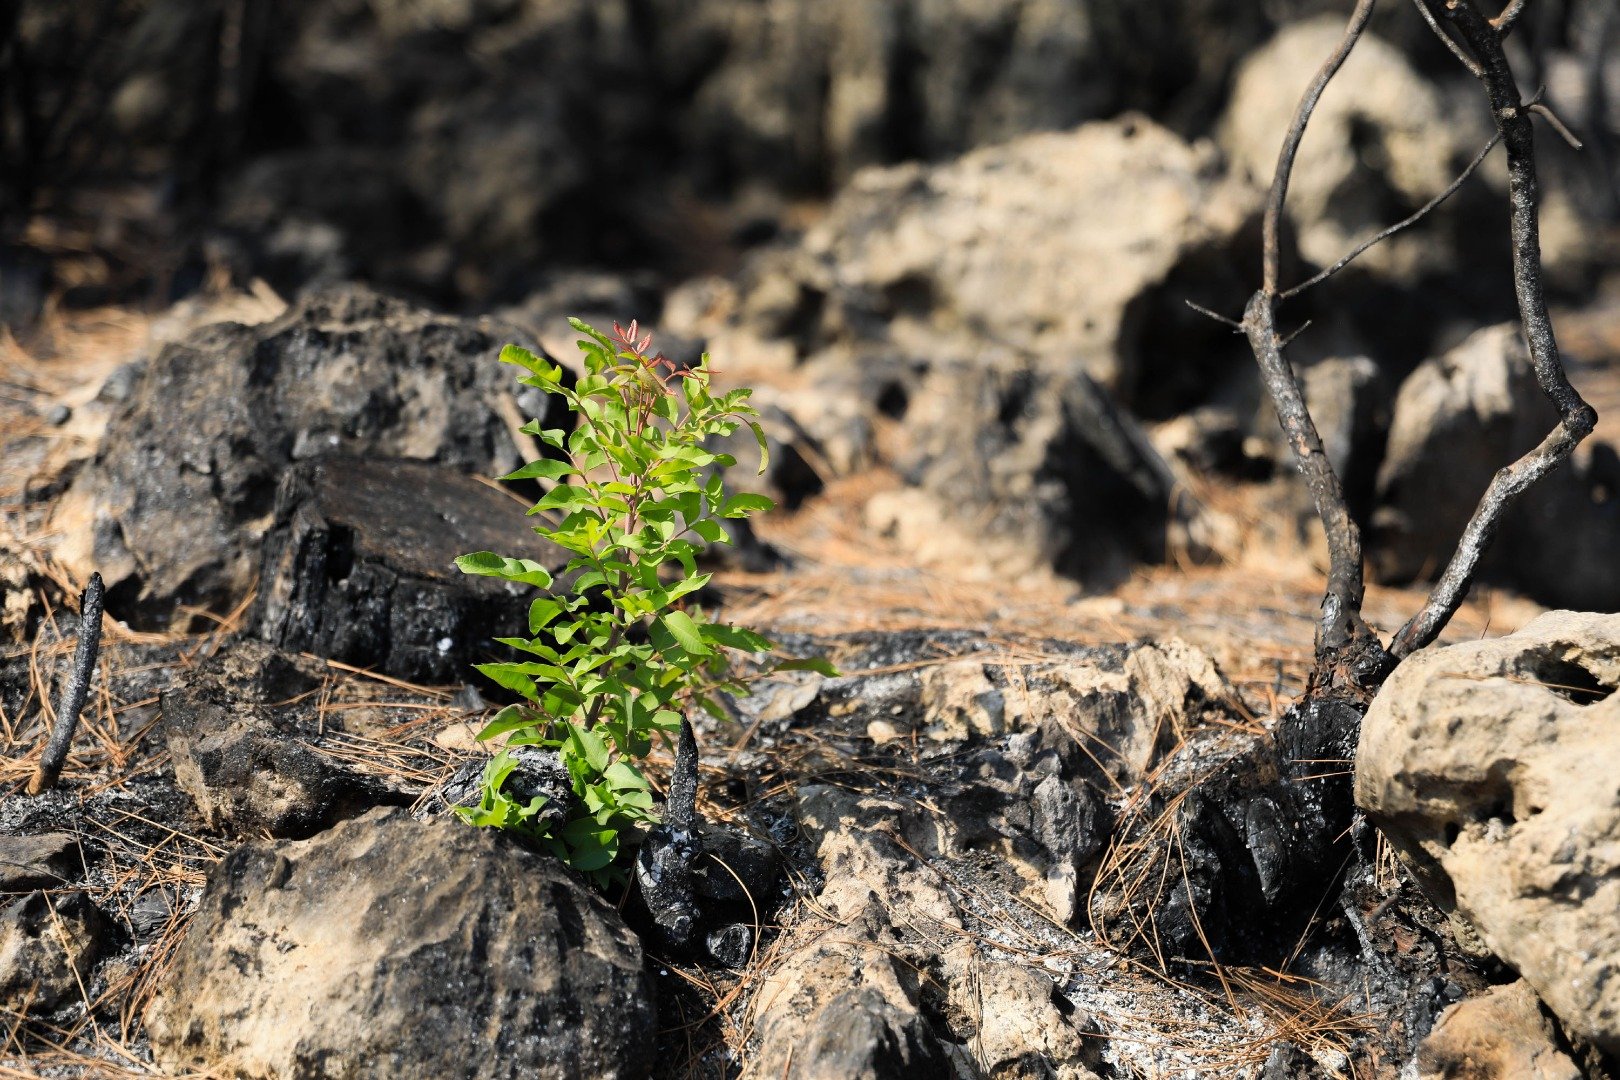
(1556, 124)
(1576, 417)
(1296, 132)
(1450, 42)
(1398, 226)
(1503, 23)
(1349, 657)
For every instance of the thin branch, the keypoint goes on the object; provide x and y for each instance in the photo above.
(1348, 655)
(1446, 39)
(1296, 132)
(1576, 417)
(1236, 326)
(1340, 623)
(72, 700)
(1398, 226)
(1503, 23)
(1557, 125)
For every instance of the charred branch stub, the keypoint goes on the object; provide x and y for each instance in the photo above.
(72, 700)
(1350, 661)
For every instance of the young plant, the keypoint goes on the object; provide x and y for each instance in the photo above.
(617, 651)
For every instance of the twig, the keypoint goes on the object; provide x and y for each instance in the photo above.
(1576, 417)
(1296, 132)
(1451, 43)
(1503, 23)
(1398, 226)
(72, 701)
(1557, 125)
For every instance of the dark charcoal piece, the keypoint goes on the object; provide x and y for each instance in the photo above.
(694, 878)
(359, 567)
(1264, 841)
(731, 945)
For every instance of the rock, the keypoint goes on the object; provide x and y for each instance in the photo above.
(359, 566)
(44, 861)
(835, 1006)
(537, 772)
(1458, 418)
(1486, 765)
(174, 506)
(1125, 703)
(1383, 141)
(1013, 468)
(388, 947)
(249, 761)
(847, 997)
(1500, 1035)
(48, 944)
(1025, 1028)
(911, 259)
(1030, 800)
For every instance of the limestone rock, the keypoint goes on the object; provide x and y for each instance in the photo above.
(174, 506)
(1500, 1035)
(48, 945)
(1488, 765)
(1460, 417)
(388, 947)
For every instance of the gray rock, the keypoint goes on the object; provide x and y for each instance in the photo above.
(49, 942)
(359, 567)
(1490, 766)
(1460, 417)
(388, 947)
(248, 761)
(44, 861)
(176, 503)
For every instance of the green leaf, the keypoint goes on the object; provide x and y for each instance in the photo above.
(744, 503)
(685, 632)
(623, 776)
(564, 497)
(809, 663)
(508, 719)
(591, 845)
(510, 677)
(589, 747)
(489, 564)
(545, 469)
(735, 637)
(536, 366)
(710, 530)
(764, 446)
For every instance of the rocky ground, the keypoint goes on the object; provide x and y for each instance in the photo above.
(1065, 813)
